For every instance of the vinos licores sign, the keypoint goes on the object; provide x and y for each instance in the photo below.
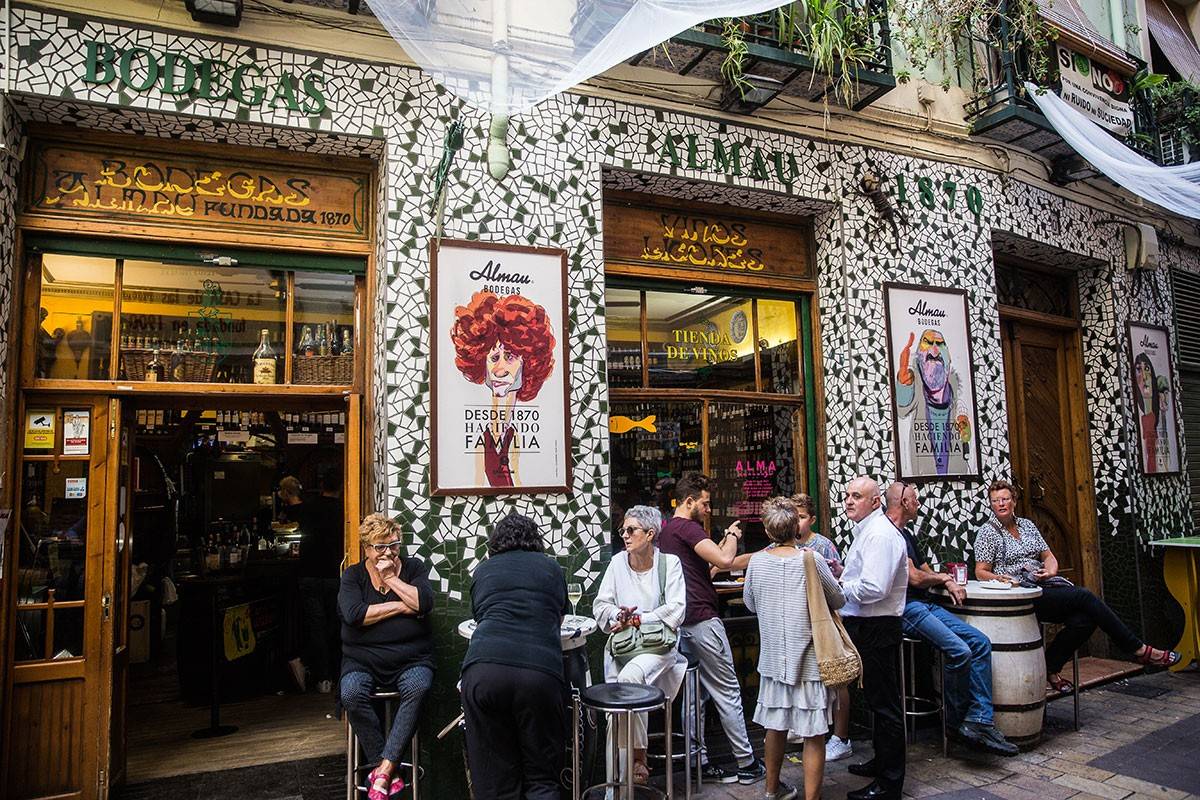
(140, 69)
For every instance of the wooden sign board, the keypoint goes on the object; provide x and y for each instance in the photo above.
(115, 183)
(704, 238)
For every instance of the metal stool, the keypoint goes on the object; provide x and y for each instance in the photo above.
(692, 748)
(355, 788)
(624, 699)
(914, 705)
(1074, 680)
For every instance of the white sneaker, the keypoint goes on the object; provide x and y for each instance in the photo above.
(836, 749)
(324, 687)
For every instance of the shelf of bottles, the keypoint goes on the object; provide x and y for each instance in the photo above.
(191, 357)
(234, 429)
(324, 354)
(624, 367)
(649, 442)
(752, 456)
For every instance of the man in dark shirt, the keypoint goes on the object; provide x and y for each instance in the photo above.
(322, 546)
(966, 651)
(702, 635)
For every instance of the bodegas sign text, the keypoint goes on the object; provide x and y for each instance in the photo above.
(94, 181)
(140, 69)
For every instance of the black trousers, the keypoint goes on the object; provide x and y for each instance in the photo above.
(516, 732)
(878, 643)
(1079, 612)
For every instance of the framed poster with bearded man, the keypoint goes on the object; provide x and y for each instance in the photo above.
(498, 388)
(935, 423)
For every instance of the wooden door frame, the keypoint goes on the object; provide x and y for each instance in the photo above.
(1077, 440)
(96, 636)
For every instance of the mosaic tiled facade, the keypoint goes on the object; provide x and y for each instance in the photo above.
(10, 155)
(565, 153)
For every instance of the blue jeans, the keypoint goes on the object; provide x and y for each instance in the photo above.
(356, 688)
(967, 655)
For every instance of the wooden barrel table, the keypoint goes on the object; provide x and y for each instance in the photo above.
(1018, 657)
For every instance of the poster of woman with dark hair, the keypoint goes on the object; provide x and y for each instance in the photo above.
(1153, 376)
(500, 418)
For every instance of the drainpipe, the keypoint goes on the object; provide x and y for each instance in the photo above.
(497, 148)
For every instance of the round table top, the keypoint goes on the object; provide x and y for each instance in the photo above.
(988, 590)
(573, 631)
(729, 586)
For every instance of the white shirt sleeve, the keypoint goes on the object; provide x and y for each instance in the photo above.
(675, 600)
(879, 559)
(605, 607)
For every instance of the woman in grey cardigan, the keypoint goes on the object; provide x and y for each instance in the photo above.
(791, 696)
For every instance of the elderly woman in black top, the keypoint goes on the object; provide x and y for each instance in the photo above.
(513, 689)
(384, 604)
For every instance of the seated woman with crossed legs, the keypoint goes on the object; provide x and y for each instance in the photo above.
(1011, 549)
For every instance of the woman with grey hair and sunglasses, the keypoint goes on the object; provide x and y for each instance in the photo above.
(642, 585)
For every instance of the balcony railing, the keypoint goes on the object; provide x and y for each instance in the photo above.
(775, 53)
(1001, 109)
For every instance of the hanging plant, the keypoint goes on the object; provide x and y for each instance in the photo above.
(838, 37)
(935, 32)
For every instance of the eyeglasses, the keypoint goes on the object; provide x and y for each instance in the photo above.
(629, 530)
(385, 547)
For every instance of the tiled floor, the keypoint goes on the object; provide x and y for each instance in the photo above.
(1137, 740)
(1129, 747)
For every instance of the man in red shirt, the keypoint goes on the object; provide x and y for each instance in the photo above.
(702, 635)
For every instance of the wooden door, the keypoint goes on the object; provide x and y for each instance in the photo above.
(1051, 456)
(120, 539)
(56, 715)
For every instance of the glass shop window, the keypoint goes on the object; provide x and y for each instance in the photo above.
(722, 393)
(195, 322)
(75, 318)
(205, 321)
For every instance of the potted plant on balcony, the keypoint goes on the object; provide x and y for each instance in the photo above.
(1176, 109)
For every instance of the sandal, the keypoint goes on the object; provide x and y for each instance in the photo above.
(1060, 685)
(374, 792)
(641, 773)
(1159, 658)
(397, 786)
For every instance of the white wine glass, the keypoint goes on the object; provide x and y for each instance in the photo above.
(574, 594)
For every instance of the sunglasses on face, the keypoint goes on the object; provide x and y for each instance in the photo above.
(385, 547)
(631, 529)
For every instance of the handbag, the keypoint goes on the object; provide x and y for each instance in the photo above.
(651, 638)
(838, 660)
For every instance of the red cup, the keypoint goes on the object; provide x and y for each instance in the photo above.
(958, 571)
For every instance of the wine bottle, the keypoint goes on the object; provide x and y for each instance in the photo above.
(347, 342)
(322, 341)
(264, 359)
(154, 369)
(178, 368)
(308, 345)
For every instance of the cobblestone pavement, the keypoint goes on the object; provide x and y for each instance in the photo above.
(1059, 767)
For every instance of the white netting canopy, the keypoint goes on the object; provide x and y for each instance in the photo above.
(1173, 188)
(505, 56)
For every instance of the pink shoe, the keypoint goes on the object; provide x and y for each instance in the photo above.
(397, 787)
(374, 793)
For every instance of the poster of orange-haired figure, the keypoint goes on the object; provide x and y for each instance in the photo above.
(499, 371)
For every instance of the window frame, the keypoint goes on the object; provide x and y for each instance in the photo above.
(287, 262)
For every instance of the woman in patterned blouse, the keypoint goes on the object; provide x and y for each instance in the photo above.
(1011, 549)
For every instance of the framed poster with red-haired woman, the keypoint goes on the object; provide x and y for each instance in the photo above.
(499, 387)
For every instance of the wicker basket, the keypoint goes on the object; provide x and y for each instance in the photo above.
(197, 367)
(323, 370)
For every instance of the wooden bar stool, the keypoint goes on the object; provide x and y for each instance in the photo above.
(621, 701)
(356, 773)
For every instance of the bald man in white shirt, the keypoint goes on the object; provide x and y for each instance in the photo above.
(874, 582)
